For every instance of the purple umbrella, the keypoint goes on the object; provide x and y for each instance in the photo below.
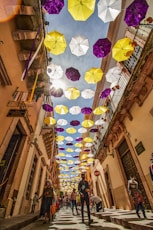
(53, 6)
(76, 156)
(75, 123)
(105, 93)
(86, 150)
(56, 92)
(61, 148)
(72, 74)
(93, 130)
(47, 107)
(59, 129)
(86, 110)
(102, 47)
(69, 143)
(135, 12)
(79, 139)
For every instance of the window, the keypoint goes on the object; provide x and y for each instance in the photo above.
(4, 77)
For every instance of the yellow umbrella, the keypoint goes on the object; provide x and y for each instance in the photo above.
(78, 145)
(59, 138)
(93, 75)
(50, 121)
(88, 139)
(61, 154)
(71, 130)
(72, 93)
(83, 157)
(81, 10)
(100, 110)
(70, 162)
(70, 150)
(90, 160)
(122, 49)
(55, 42)
(61, 109)
(87, 123)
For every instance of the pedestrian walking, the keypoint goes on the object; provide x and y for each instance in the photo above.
(83, 188)
(96, 200)
(139, 203)
(73, 201)
(34, 202)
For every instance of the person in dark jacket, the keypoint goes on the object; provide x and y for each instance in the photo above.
(83, 188)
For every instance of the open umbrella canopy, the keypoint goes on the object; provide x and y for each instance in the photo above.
(71, 130)
(113, 74)
(54, 71)
(87, 93)
(100, 110)
(81, 10)
(102, 47)
(61, 122)
(61, 109)
(105, 93)
(108, 10)
(86, 110)
(122, 49)
(74, 110)
(56, 92)
(55, 42)
(50, 121)
(135, 12)
(47, 107)
(53, 6)
(72, 74)
(79, 45)
(75, 123)
(87, 123)
(72, 93)
(93, 75)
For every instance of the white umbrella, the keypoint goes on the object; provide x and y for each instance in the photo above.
(113, 74)
(54, 71)
(62, 122)
(79, 45)
(75, 110)
(108, 10)
(82, 130)
(68, 138)
(99, 122)
(87, 93)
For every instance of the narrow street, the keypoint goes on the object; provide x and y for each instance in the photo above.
(65, 220)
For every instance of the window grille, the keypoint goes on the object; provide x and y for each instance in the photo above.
(4, 77)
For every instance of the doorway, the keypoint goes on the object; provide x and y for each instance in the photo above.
(130, 168)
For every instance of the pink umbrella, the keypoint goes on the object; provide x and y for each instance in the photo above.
(47, 107)
(105, 93)
(86, 110)
(53, 6)
(75, 123)
(72, 74)
(102, 47)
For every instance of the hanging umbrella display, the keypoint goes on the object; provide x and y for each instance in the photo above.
(50, 121)
(59, 129)
(69, 138)
(93, 130)
(87, 123)
(72, 74)
(122, 49)
(75, 123)
(62, 122)
(109, 10)
(72, 93)
(87, 93)
(61, 109)
(71, 130)
(56, 92)
(105, 93)
(79, 139)
(53, 6)
(88, 139)
(86, 110)
(82, 130)
(54, 71)
(47, 107)
(100, 110)
(74, 110)
(135, 12)
(102, 47)
(55, 42)
(113, 74)
(81, 10)
(93, 75)
(79, 45)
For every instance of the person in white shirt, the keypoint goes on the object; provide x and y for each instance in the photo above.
(97, 200)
